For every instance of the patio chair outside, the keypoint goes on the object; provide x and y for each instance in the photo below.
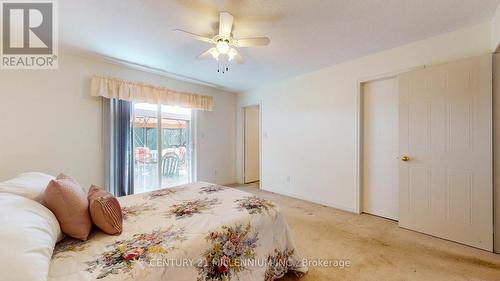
(170, 164)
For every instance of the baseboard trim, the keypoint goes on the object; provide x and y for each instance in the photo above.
(313, 200)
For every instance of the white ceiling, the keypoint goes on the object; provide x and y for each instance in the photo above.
(305, 34)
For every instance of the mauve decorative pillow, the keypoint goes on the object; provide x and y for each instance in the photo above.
(67, 200)
(105, 210)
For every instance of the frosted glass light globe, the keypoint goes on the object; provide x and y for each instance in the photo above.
(222, 47)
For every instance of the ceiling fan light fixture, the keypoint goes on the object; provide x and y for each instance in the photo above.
(222, 47)
(231, 54)
(215, 54)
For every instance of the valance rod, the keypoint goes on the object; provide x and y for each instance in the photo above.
(114, 88)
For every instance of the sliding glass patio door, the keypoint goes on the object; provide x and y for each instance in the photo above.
(162, 146)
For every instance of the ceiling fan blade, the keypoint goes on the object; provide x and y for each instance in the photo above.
(194, 36)
(249, 42)
(225, 24)
(206, 54)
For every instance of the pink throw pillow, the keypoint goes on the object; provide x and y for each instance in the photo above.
(67, 200)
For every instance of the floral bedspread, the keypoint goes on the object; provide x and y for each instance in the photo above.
(199, 231)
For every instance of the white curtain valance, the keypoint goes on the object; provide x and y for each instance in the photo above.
(113, 88)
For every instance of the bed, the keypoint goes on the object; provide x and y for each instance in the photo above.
(199, 231)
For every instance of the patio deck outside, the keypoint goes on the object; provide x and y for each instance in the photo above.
(173, 167)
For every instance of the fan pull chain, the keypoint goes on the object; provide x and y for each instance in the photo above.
(222, 66)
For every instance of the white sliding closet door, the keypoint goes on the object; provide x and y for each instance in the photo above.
(380, 148)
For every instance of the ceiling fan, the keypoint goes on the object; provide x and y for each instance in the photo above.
(225, 49)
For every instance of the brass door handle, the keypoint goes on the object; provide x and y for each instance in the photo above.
(405, 158)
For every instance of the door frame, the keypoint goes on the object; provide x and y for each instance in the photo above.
(243, 125)
(358, 158)
(496, 158)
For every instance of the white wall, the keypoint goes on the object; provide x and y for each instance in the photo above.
(310, 120)
(495, 29)
(49, 122)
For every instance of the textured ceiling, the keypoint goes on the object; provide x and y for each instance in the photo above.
(305, 34)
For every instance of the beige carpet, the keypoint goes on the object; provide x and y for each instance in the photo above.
(377, 248)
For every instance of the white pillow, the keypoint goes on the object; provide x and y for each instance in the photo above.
(28, 234)
(30, 185)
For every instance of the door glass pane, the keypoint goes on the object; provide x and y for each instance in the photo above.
(145, 144)
(173, 167)
(176, 146)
